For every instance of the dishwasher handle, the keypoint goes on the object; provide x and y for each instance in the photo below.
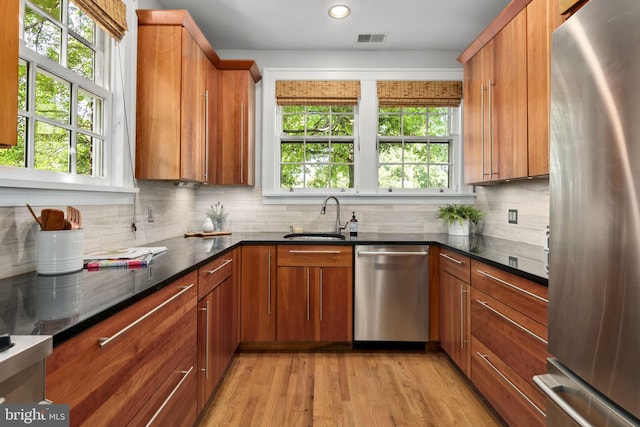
(393, 253)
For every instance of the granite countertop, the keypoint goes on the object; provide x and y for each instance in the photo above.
(67, 304)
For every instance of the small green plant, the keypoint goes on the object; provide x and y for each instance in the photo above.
(458, 213)
(217, 213)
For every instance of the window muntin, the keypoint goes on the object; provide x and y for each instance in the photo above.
(62, 95)
(317, 147)
(414, 148)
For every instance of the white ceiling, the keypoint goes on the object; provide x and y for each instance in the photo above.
(306, 25)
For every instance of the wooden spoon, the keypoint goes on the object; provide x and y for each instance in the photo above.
(36, 217)
(74, 217)
(55, 220)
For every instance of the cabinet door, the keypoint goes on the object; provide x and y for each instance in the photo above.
(455, 320)
(334, 304)
(509, 102)
(295, 320)
(477, 75)
(235, 148)
(257, 294)
(193, 109)
(9, 10)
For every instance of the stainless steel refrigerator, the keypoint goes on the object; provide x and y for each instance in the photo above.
(593, 377)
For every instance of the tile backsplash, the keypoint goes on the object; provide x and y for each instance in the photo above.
(177, 210)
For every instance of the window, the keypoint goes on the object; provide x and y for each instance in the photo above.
(317, 147)
(414, 147)
(62, 92)
(363, 150)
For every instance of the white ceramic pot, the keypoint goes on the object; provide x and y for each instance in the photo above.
(459, 229)
(59, 251)
(208, 225)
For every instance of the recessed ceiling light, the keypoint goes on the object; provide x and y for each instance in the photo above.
(339, 11)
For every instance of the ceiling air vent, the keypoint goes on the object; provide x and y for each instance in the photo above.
(371, 38)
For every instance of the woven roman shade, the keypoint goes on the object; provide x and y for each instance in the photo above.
(110, 15)
(423, 93)
(317, 92)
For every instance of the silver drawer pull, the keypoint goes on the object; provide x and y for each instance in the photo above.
(106, 340)
(215, 270)
(513, 322)
(185, 374)
(485, 358)
(294, 251)
(451, 259)
(511, 285)
(398, 253)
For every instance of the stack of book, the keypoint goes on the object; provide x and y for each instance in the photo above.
(136, 257)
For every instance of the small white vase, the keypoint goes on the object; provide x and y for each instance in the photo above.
(208, 225)
(459, 229)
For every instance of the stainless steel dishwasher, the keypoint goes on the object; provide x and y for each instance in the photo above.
(391, 300)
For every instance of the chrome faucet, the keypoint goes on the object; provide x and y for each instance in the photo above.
(323, 210)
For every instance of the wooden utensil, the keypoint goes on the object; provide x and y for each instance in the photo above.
(35, 217)
(74, 217)
(54, 221)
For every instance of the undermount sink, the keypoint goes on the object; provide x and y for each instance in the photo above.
(314, 236)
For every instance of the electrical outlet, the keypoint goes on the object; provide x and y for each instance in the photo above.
(150, 214)
(513, 216)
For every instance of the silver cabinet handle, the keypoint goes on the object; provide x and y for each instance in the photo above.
(269, 283)
(106, 340)
(206, 135)
(491, 85)
(215, 270)
(206, 342)
(394, 253)
(320, 294)
(485, 358)
(185, 374)
(512, 286)
(242, 143)
(451, 259)
(307, 294)
(296, 251)
(482, 117)
(462, 292)
(513, 322)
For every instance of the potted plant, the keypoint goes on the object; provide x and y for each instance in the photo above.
(459, 217)
(217, 215)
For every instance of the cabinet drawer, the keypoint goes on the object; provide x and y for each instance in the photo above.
(455, 264)
(214, 273)
(106, 382)
(520, 294)
(509, 394)
(517, 340)
(173, 403)
(315, 256)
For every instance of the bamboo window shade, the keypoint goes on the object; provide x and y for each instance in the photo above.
(423, 93)
(317, 92)
(110, 15)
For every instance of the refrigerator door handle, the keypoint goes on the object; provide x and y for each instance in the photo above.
(550, 387)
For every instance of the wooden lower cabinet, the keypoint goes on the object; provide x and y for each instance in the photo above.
(314, 304)
(455, 320)
(258, 294)
(114, 370)
(217, 323)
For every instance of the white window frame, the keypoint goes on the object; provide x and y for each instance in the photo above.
(19, 186)
(366, 189)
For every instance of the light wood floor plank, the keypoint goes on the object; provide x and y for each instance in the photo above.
(355, 388)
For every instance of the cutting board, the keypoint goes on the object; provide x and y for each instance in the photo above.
(206, 234)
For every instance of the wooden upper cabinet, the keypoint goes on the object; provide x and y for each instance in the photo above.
(9, 9)
(234, 150)
(171, 101)
(508, 96)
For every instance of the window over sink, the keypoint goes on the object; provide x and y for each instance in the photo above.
(365, 149)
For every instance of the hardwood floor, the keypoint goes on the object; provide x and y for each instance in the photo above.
(345, 389)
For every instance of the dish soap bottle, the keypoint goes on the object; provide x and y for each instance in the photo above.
(353, 226)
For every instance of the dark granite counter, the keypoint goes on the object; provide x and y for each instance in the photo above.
(66, 304)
